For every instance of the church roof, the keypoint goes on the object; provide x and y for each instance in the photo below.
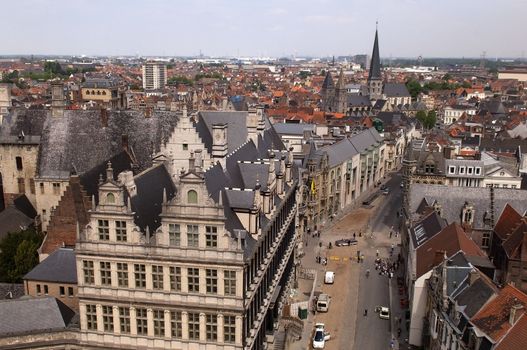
(375, 66)
(328, 82)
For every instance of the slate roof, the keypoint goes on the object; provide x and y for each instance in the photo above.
(293, 128)
(426, 228)
(58, 267)
(13, 220)
(79, 140)
(328, 81)
(395, 90)
(365, 139)
(21, 120)
(339, 152)
(34, 315)
(375, 65)
(240, 199)
(475, 295)
(452, 200)
(11, 291)
(236, 132)
(358, 101)
(502, 145)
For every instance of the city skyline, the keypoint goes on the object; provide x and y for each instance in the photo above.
(317, 28)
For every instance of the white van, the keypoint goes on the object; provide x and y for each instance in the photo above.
(323, 302)
(329, 278)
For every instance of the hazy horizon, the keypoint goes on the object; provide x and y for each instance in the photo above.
(250, 28)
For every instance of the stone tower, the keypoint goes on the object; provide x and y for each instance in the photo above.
(341, 98)
(327, 93)
(374, 76)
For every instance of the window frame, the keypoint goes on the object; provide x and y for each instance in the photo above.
(174, 235)
(211, 236)
(121, 234)
(103, 229)
(159, 322)
(107, 318)
(105, 271)
(193, 325)
(229, 329)
(175, 278)
(176, 323)
(140, 276)
(88, 271)
(122, 274)
(229, 282)
(157, 277)
(141, 321)
(211, 327)
(91, 317)
(193, 275)
(211, 281)
(192, 236)
(124, 320)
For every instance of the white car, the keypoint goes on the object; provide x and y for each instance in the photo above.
(384, 313)
(329, 277)
(320, 336)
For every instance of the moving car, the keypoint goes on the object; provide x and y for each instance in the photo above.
(386, 191)
(320, 336)
(384, 313)
(323, 301)
(345, 242)
(329, 277)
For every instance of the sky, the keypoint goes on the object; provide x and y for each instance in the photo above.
(407, 28)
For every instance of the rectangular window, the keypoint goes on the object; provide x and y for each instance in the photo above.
(193, 280)
(469, 170)
(124, 319)
(104, 230)
(192, 235)
(185, 147)
(229, 329)
(229, 281)
(62, 291)
(212, 281)
(142, 321)
(89, 276)
(175, 278)
(211, 326)
(70, 291)
(513, 186)
(451, 169)
(159, 323)
(21, 185)
(107, 318)
(193, 326)
(140, 275)
(19, 165)
(41, 185)
(478, 171)
(39, 290)
(211, 236)
(120, 231)
(157, 277)
(122, 274)
(32, 186)
(174, 235)
(91, 317)
(461, 169)
(106, 273)
(56, 188)
(46, 290)
(177, 324)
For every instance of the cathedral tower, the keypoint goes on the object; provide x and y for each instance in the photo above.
(374, 76)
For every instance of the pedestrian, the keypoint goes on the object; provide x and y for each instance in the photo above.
(365, 312)
(360, 233)
(377, 253)
(398, 332)
(353, 235)
(390, 234)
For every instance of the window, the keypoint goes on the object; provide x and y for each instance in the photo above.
(88, 272)
(140, 275)
(470, 170)
(104, 230)
(19, 165)
(70, 291)
(124, 319)
(211, 326)
(122, 274)
(193, 326)
(32, 186)
(212, 281)
(185, 147)
(157, 277)
(505, 186)
(106, 273)
(451, 169)
(120, 231)
(21, 185)
(110, 198)
(107, 318)
(91, 317)
(193, 280)
(174, 235)
(46, 290)
(62, 291)
(41, 185)
(159, 322)
(229, 329)
(192, 235)
(229, 281)
(56, 188)
(211, 236)
(192, 197)
(142, 321)
(175, 278)
(39, 290)
(478, 170)
(513, 186)
(429, 168)
(461, 169)
(177, 324)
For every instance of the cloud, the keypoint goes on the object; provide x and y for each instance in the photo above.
(277, 11)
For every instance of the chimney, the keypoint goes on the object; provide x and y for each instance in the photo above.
(252, 126)
(199, 159)
(191, 162)
(224, 103)
(448, 152)
(57, 99)
(474, 276)
(219, 142)
(104, 117)
(124, 142)
(516, 312)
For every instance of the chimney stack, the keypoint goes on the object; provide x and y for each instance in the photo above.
(219, 142)
(474, 276)
(57, 99)
(516, 312)
(191, 162)
(104, 117)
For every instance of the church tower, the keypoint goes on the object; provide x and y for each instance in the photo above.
(341, 95)
(327, 93)
(374, 76)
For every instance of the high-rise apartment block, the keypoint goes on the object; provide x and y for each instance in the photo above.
(154, 75)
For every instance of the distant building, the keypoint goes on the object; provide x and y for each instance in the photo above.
(154, 75)
(107, 93)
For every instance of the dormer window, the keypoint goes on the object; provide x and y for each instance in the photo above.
(192, 197)
(429, 168)
(478, 170)
(462, 170)
(110, 198)
(451, 169)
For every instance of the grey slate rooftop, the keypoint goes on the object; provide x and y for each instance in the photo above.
(58, 267)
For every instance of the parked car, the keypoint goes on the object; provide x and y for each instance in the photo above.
(323, 301)
(345, 242)
(329, 277)
(384, 313)
(320, 337)
(386, 191)
(383, 187)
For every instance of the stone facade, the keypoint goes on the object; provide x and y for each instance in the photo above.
(65, 292)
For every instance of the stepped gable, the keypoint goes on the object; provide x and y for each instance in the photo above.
(72, 208)
(83, 139)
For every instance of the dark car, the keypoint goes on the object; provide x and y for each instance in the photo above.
(386, 191)
(345, 242)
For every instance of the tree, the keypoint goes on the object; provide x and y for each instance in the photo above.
(421, 116)
(18, 254)
(414, 88)
(427, 119)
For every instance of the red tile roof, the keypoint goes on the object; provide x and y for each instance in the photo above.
(516, 338)
(507, 221)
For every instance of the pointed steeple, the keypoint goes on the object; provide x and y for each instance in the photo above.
(328, 82)
(340, 83)
(375, 65)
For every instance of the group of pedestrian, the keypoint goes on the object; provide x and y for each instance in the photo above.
(321, 260)
(386, 267)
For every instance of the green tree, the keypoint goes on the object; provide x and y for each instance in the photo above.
(421, 116)
(18, 254)
(414, 88)
(431, 119)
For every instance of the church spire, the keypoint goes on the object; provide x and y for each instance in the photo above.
(340, 82)
(328, 81)
(375, 65)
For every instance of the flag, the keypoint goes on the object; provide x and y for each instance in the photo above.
(313, 190)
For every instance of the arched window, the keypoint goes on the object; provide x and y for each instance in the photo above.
(192, 197)
(104, 92)
(87, 92)
(98, 92)
(110, 198)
